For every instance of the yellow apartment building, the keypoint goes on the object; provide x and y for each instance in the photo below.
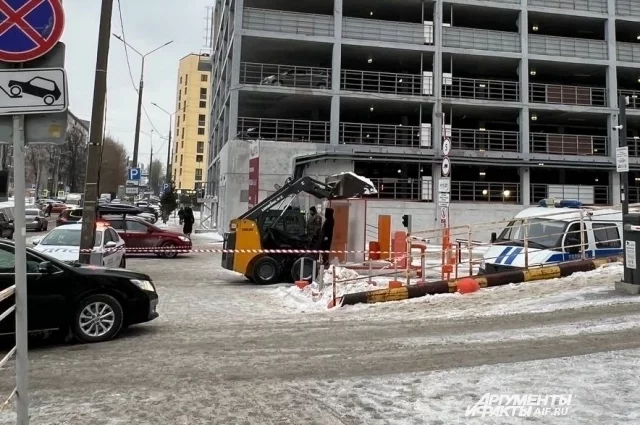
(189, 167)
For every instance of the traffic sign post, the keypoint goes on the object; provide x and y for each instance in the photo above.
(444, 183)
(29, 29)
(134, 174)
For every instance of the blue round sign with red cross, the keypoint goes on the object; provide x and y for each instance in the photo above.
(29, 28)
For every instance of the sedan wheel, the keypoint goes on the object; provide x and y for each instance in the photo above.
(168, 254)
(98, 318)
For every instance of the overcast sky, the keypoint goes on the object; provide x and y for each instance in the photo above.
(147, 24)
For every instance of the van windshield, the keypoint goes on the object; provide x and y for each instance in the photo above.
(542, 234)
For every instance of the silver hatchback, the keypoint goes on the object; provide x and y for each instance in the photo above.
(36, 220)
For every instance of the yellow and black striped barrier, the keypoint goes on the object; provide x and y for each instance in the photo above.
(484, 281)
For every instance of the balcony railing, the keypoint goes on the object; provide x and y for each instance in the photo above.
(567, 95)
(628, 8)
(634, 193)
(384, 82)
(465, 191)
(569, 144)
(634, 97)
(592, 195)
(394, 188)
(634, 145)
(379, 30)
(283, 130)
(485, 140)
(379, 135)
(567, 47)
(628, 52)
(285, 75)
(287, 22)
(473, 38)
(596, 6)
(480, 89)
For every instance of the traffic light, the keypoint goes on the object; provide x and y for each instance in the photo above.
(406, 221)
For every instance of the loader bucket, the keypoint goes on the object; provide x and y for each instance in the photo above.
(350, 185)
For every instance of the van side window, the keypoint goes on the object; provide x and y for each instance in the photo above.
(573, 233)
(606, 235)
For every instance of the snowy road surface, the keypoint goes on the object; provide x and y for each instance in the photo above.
(227, 352)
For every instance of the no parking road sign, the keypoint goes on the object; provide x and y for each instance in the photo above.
(29, 28)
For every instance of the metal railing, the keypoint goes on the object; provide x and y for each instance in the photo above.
(567, 95)
(396, 188)
(597, 195)
(565, 46)
(485, 140)
(379, 30)
(385, 82)
(634, 145)
(287, 22)
(569, 144)
(466, 191)
(379, 134)
(285, 75)
(634, 98)
(628, 52)
(5, 294)
(597, 6)
(479, 39)
(634, 193)
(628, 8)
(284, 130)
(481, 89)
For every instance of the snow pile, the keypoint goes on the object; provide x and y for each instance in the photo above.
(370, 189)
(314, 297)
(213, 237)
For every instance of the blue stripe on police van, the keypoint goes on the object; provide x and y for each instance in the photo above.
(599, 253)
(503, 254)
(514, 254)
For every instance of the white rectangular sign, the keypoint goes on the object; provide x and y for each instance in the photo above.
(444, 185)
(133, 182)
(622, 159)
(443, 199)
(131, 190)
(630, 254)
(33, 91)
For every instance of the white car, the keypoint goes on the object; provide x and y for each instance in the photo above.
(63, 243)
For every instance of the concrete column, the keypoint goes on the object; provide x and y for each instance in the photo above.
(523, 71)
(236, 51)
(437, 122)
(612, 99)
(614, 188)
(336, 71)
(525, 186)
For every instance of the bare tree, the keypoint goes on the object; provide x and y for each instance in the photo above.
(73, 160)
(156, 175)
(113, 170)
(39, 160)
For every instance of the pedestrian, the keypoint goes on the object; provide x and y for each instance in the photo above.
(49, 209)
(181, 215)
(314, 226)
(327, 235)
(189, 219)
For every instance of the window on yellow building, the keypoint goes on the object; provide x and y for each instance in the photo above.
(203, 103)
(181, 164)
(200, 147)
(199, 158)
(186, 79)
(198, 173)
(202, 120)
(203, 93)
(204, 78)
(200, 131)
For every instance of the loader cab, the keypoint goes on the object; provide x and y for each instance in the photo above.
(555, 232)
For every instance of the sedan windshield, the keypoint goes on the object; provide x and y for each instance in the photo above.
(542, 233)
(68, 237)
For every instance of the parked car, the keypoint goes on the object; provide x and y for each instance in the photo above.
(94, 302)
(63, 244)
(300, 77)
(36, 220)
(6, 226)
(68, 216)
(57, 206)
(139, 234)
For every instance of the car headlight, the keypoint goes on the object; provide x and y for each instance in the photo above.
(184, 238)
(145, 285)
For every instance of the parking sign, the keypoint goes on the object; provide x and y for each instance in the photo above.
(134, 174)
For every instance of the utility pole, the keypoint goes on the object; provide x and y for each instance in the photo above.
(168, 179)
(624, 177)
(136, 141)
(96, 136)
(56, 170)
(151, 162)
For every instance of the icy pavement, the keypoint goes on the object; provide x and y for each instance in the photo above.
(227, 352)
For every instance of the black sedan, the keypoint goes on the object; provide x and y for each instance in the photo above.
(95, 303)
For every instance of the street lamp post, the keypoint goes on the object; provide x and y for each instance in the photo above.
(140, 89)
(170, 133)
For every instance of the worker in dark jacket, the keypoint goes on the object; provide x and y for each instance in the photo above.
(314, 226)
(327, 235)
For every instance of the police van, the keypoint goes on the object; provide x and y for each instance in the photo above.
(552, 230)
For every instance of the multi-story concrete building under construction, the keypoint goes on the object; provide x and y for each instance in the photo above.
(527, 90)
